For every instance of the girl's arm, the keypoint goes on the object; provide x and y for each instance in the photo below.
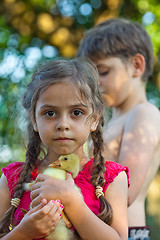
(37, 223)
(88, 225)
(4, 196)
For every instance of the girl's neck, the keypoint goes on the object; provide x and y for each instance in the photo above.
(83, 158)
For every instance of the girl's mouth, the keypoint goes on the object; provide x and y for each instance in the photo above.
(63, 139)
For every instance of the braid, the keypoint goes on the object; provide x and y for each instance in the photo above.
(32, 153)
(99, 169)
(97, 178)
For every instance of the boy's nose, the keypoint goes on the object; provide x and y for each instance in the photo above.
(99, 81)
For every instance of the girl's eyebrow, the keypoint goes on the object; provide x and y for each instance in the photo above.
(72, 106)
(79, 105)
(46, 106)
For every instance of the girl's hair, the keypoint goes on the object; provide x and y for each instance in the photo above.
(82, 74)
(118, 37)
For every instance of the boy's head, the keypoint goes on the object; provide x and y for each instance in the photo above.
(118, 38)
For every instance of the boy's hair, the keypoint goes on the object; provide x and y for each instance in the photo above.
(118, 38)
(82, 74)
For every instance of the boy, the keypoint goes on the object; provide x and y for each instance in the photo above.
(122, 52)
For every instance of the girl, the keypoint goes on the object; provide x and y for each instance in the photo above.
(64, 107)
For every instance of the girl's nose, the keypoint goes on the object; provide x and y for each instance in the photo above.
(62, 124)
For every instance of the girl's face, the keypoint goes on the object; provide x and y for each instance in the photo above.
(61, 119)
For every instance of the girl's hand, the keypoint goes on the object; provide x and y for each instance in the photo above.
(50, 188)
(41, 220)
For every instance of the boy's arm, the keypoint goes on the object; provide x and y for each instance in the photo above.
(139, 141)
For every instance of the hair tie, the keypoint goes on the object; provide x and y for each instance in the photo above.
(99, 191)
(15, 202)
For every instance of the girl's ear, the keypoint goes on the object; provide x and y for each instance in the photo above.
(33, 123)
(35, 126)
(95, 122)
(138, 62)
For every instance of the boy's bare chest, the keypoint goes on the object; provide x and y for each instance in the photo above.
(113, 136)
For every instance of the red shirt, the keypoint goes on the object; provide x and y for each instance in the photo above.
(83, 181)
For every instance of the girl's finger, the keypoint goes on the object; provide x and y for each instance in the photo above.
(36, 201)
(38, 207)
(50, 213)
(44, 208)
(41, 177)
(34, 193)
(55, 213)
(35, 185)
(69, 178)
(44, 202)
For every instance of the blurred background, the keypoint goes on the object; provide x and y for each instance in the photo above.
(36, 30)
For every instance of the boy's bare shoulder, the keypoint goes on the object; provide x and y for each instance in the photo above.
(144, 110)
(144, 114)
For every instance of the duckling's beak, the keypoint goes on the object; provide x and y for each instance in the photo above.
(55, 164)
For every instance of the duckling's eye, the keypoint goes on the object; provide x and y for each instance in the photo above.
(65, 158)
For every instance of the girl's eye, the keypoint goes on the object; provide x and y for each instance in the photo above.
(77, 113)
(50, 114)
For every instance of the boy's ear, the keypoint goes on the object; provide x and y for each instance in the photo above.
(138, 62)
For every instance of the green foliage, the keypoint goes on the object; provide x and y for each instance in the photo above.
(153, 94)
(3, 165)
